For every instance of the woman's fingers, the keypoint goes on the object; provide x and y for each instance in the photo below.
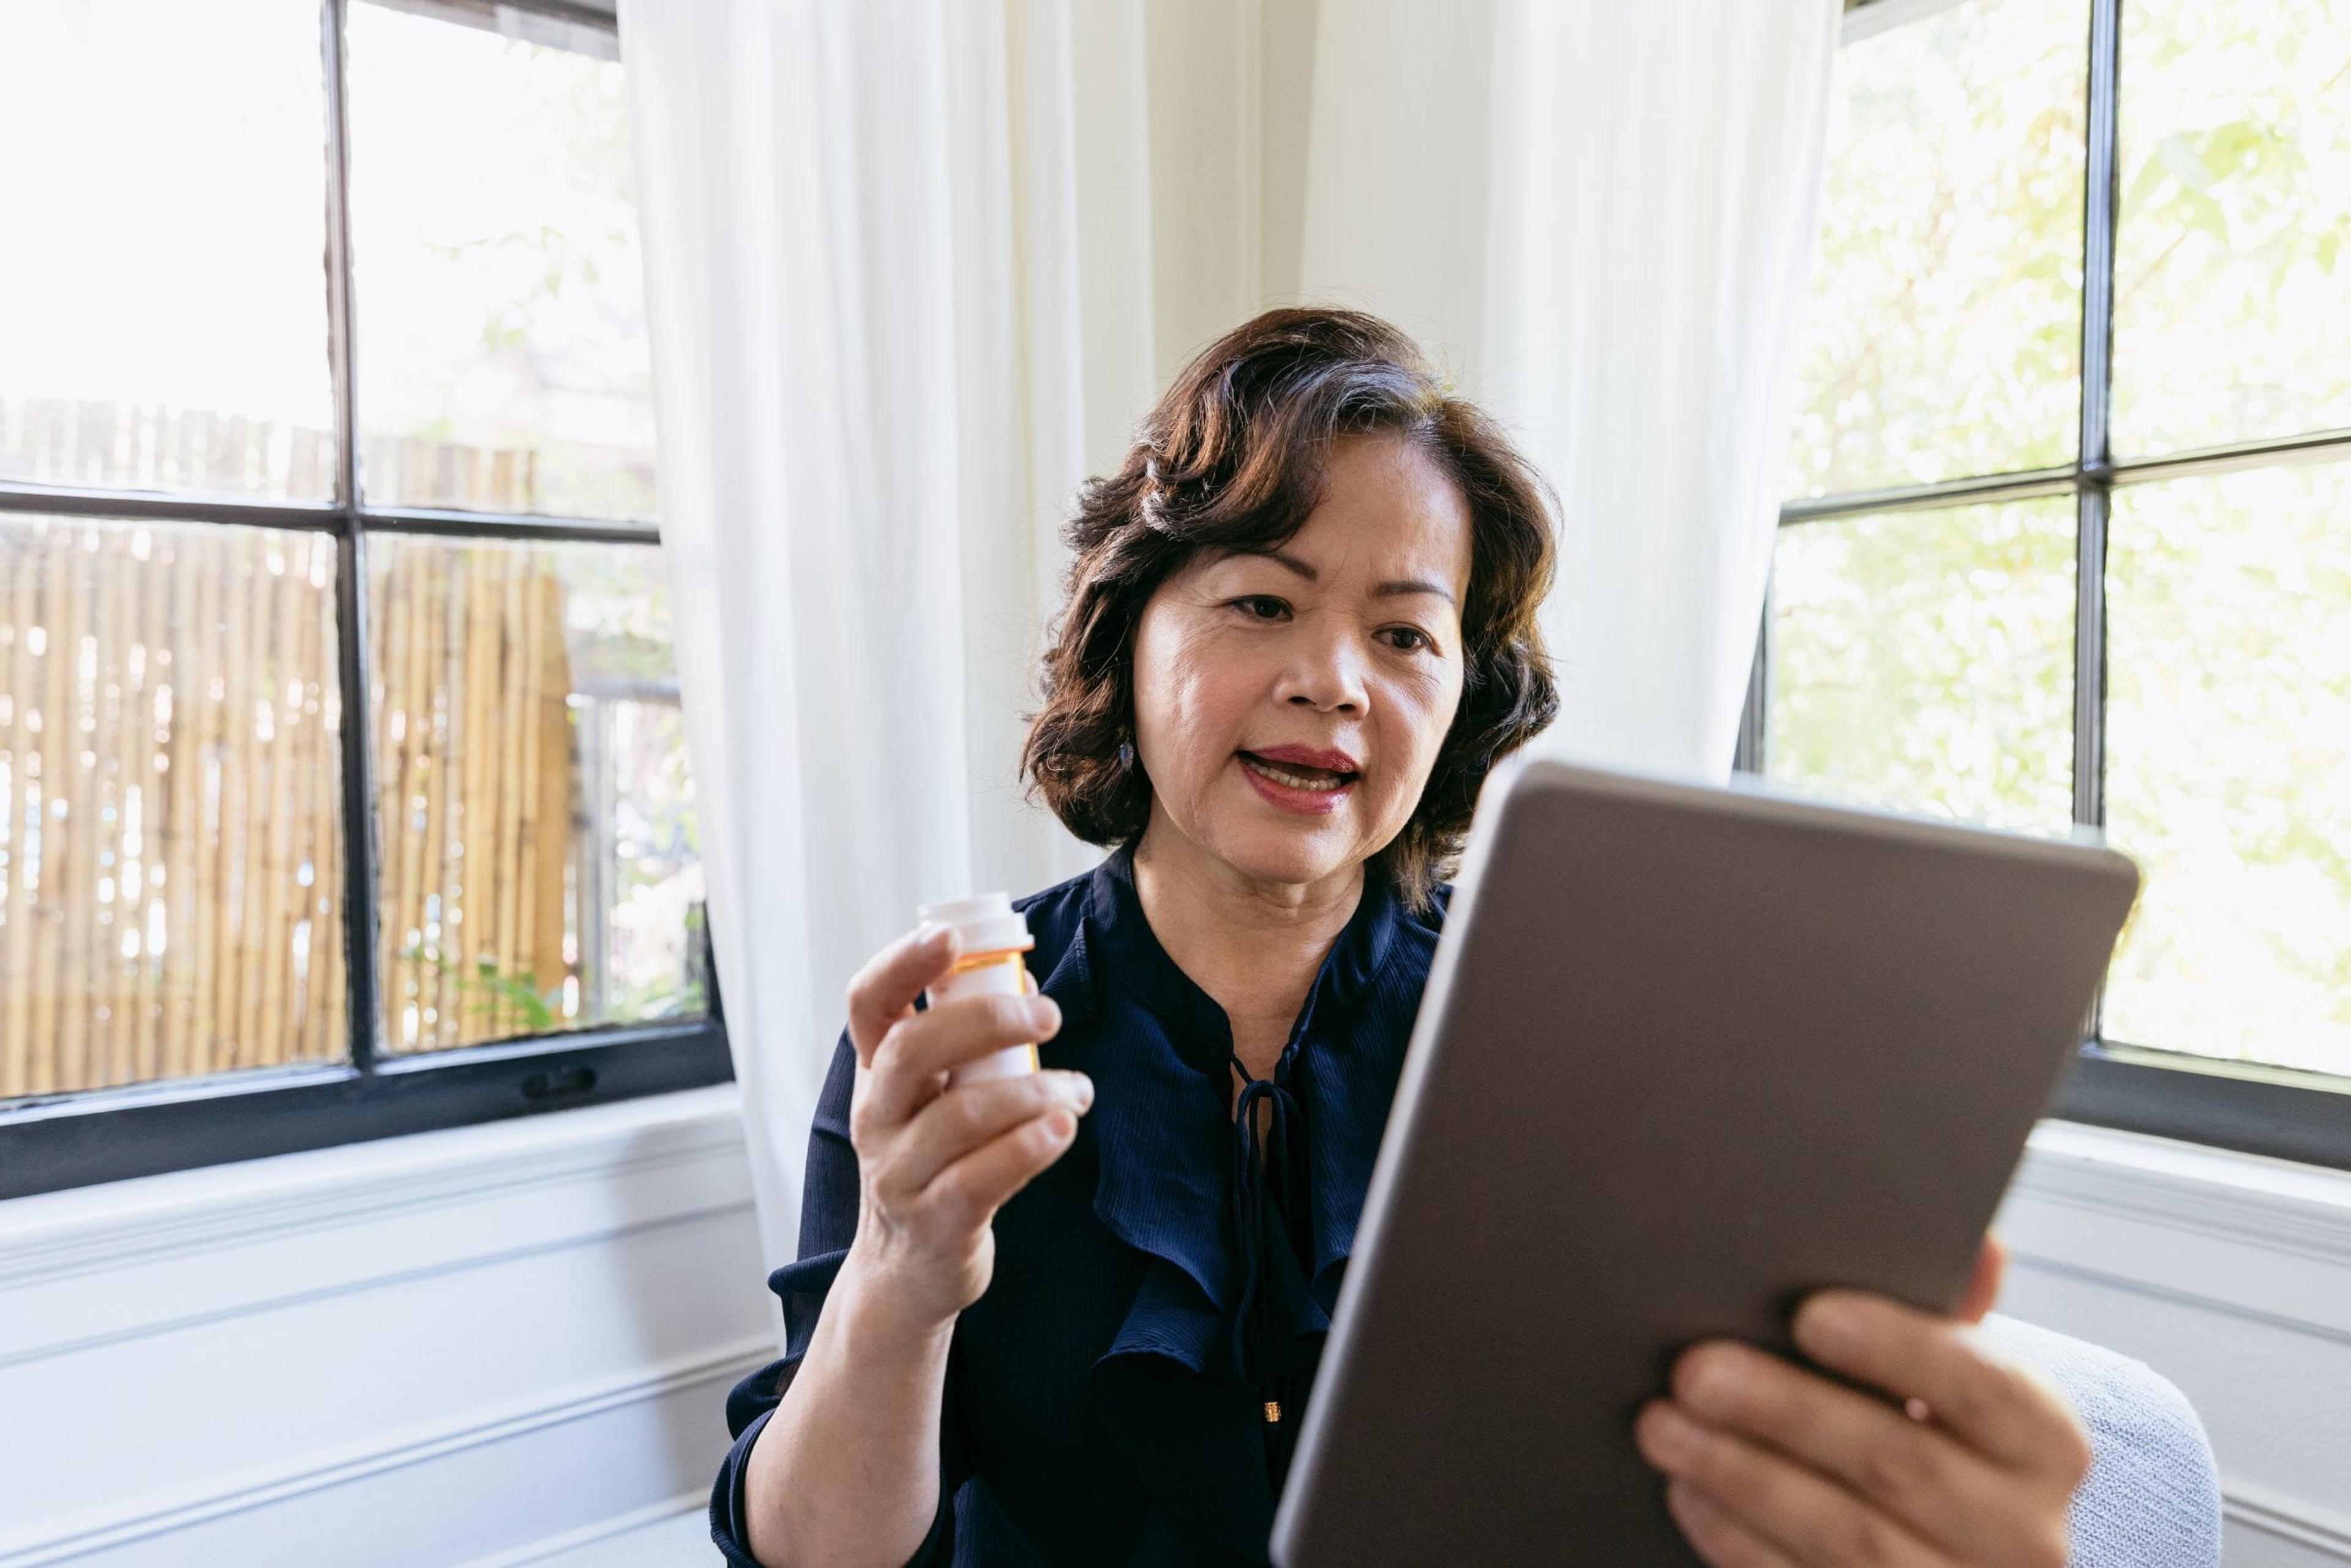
(1998, 1408)
(1983, 1285)
(1909, 1469)
(953, 1126)
(1796, 1512)
(1717, 1535)
(973, 1188)
(883, 991)
(918, 1048)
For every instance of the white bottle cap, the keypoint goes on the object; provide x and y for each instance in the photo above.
(985, 923)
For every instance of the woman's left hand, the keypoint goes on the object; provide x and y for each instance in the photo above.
(1770, 1464)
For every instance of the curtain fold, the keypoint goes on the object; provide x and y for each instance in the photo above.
(1656, 180)
(1600, 217)
(900, 267)
(868, 290)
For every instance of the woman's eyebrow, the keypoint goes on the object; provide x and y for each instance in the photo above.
(1412, 585)
(1393, 587)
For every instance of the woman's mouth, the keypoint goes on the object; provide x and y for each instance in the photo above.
(1294, 786)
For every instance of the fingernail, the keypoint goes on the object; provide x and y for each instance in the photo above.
(1044, 1013)
(1710, 1384)
(1061, 1126)
(933, 937)
(1084, 1087)
(1826, 1328)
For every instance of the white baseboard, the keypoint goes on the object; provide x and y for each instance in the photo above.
(696, 1502)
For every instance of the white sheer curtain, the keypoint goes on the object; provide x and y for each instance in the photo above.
(1602, 215)
(900, 257)
(1654, 197)
(883, 351)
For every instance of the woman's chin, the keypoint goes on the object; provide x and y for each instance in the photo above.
(1288, 853)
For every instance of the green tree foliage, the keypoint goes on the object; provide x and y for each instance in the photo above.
(1945, 334)
(1924, 659)
(2233, 294)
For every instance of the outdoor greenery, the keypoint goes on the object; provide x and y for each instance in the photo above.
(2232, 290)
(1945, 334)
(172, 861)
(2228, 762)
(1924, 659)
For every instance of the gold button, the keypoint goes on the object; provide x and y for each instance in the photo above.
(1273, 1410)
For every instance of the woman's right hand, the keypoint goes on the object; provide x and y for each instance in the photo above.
(935, 1163)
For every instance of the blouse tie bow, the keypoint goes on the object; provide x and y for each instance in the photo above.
(1269, 1197)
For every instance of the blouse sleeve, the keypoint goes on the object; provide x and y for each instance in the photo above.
(828, 1203)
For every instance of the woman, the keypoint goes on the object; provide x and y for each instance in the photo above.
(1301, 627)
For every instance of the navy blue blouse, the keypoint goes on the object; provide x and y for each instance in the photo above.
(1128, 1389)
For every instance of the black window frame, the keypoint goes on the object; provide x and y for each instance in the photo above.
(2281, 1111)
(51, 1143)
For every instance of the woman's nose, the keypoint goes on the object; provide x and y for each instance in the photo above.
(1325, 671)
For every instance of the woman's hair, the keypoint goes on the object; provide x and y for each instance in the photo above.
(1232, 458)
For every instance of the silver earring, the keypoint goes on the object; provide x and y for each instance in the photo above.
(1125, 757)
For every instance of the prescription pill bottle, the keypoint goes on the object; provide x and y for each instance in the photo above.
(990, 936)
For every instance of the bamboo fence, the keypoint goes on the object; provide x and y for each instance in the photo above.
(476, 789)
(109, 445)
(170, 850)
(170, 903)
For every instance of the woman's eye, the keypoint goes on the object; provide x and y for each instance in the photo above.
(1408, 639)
(1261, 607)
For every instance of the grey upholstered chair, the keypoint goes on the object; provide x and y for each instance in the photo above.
(2153, 1496)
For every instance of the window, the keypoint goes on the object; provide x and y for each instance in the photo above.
(342, 772)
(2070, 534)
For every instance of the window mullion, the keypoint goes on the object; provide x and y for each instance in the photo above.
(350, 579)
(2095, 505)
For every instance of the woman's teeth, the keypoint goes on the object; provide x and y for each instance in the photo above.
(1297, 777)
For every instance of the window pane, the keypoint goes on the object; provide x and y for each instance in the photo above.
(162, 294)
(171, 865)
(502, 356)
(540, 865)
(1945, 331)
(2232, 272)
(1925, 661)
(2229, 764)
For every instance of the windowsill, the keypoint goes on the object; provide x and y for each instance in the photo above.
(2091, 1154)
(2218, 1192)
(2241, 1235)
(88, 1227)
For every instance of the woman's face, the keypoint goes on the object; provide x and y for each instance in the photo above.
(1290, 704)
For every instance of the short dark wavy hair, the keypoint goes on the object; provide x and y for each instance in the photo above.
(1232, 458)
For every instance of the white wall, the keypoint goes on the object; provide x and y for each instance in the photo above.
(461, 1348)
(2231, 1276)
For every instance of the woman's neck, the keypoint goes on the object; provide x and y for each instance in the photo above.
(1254, 946)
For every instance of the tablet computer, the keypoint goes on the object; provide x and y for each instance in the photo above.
(1686, 1054)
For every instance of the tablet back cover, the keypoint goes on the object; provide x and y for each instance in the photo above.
(1685, 1055)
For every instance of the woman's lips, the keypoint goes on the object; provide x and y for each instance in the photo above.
(1293, 787)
